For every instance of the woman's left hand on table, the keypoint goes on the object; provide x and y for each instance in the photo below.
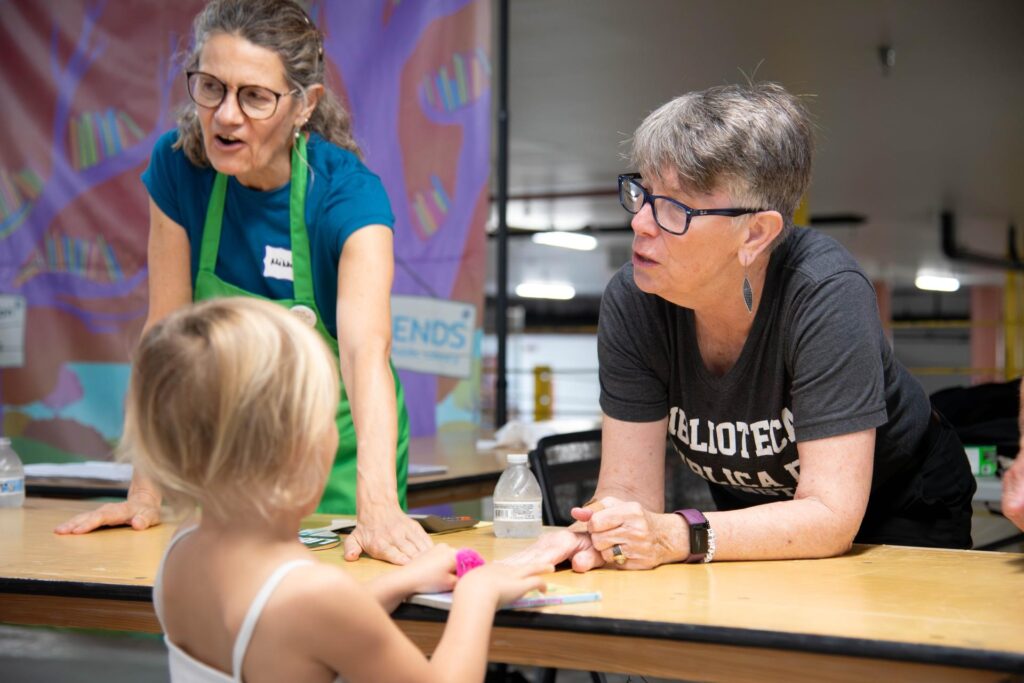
(387, 534)
(646, 539)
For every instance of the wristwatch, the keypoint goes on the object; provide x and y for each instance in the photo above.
(700, 530)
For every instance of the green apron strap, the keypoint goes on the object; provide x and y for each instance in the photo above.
(302, 265)
(211, 229)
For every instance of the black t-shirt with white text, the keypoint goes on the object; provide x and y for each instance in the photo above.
(816, 364)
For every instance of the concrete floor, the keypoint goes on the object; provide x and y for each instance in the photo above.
(43, 655)
(69, 656)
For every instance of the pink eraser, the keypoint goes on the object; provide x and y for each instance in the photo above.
(465, 560)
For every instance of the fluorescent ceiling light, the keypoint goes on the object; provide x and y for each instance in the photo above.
(566, 240)
(937, 283)
(545, 290)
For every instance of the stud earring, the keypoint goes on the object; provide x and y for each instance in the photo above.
(748, 293)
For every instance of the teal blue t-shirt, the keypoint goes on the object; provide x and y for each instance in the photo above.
(342, 196)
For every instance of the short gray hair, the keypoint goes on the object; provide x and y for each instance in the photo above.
(755, 141)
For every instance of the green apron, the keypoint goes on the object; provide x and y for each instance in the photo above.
(340, 495)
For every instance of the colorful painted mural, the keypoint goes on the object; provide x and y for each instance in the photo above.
(88, 88)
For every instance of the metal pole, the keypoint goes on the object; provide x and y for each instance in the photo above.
(501, 194)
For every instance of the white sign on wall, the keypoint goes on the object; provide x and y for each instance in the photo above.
(12, 331)
(432, 335)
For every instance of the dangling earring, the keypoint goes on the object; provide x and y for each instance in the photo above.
(748, 293)
(298, 129)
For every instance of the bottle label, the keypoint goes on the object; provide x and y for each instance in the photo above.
(516, 511)
(12, 486)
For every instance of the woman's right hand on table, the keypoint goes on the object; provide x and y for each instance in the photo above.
(141, 510)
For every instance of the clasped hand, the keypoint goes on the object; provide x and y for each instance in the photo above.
(643, 537)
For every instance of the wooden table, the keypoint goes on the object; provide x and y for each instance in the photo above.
(880, 612)
(471, 473)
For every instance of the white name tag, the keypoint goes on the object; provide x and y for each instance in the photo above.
(277, 263)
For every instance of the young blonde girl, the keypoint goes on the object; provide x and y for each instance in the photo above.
(230, 410)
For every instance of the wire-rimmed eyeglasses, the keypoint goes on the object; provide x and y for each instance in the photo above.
(671, 215)
(255, 101)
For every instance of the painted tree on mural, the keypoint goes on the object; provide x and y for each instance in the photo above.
(372, 75)
(416, 76)
(72, 292)
(101, 305)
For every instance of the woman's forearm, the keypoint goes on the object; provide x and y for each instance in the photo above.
(371, 388)
(792, 529)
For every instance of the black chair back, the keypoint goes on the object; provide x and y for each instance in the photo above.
(566, 466)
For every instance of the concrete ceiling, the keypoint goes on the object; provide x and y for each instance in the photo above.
(943, 129)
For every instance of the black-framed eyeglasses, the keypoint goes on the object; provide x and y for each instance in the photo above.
(671, 215)
(255, 101)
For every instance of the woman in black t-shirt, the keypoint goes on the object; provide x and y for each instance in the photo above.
(759, 352)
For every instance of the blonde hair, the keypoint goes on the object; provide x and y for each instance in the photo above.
(283, 27)
(230, 406)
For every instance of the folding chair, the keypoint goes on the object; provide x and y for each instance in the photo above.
(566, 466)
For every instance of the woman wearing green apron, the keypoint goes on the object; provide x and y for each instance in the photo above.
(260, 193)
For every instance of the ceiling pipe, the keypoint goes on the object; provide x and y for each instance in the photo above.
(955, 252)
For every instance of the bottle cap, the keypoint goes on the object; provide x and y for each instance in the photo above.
(516, 458)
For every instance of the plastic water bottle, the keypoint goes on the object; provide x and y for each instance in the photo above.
(517, 501)
(12, 477)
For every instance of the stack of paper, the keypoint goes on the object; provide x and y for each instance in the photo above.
(91, 469)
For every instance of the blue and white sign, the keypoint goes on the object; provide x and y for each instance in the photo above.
(432, 335)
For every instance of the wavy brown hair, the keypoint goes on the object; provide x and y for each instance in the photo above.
(283, 27)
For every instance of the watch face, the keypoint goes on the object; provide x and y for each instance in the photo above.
(698, 541)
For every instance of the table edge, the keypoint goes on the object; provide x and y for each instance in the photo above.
(961, 657)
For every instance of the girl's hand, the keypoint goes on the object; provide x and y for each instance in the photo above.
(501, 583)
(432, 571)
(554, 547)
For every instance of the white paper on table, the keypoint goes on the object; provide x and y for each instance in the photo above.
(525, 435)
(90, 469)
(418, 470)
